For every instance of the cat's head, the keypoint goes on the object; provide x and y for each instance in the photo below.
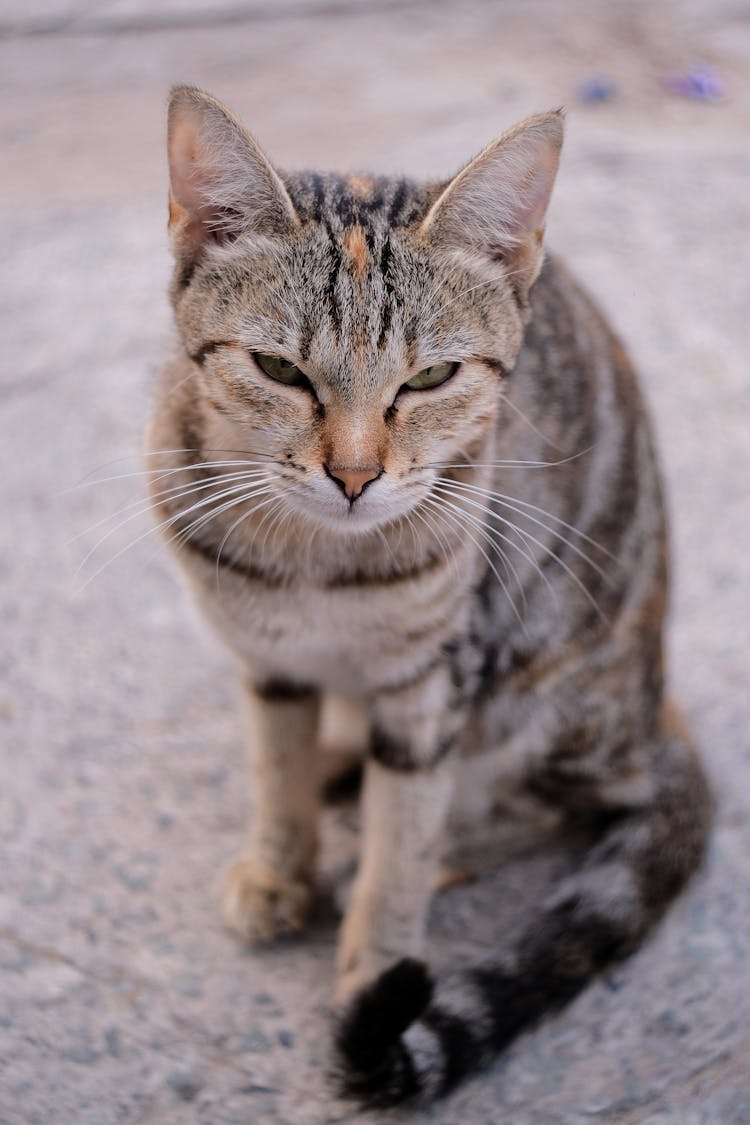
(355, 331)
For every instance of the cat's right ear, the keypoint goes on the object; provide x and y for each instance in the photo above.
(495, 208)
(221, 183)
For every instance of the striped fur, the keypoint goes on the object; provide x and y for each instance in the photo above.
(496, 592)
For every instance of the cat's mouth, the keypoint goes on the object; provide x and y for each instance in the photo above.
(326, 504)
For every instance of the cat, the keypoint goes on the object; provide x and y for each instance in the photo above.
(402, 459)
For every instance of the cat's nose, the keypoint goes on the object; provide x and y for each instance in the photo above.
(353, 482)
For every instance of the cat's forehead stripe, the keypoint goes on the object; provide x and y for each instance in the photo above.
(356, 246)
(356, 214)
(372, 202)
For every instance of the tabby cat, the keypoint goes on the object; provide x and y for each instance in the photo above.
(403, 461)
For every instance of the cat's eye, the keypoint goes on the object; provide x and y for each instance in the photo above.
(281, 370)
(431, 377)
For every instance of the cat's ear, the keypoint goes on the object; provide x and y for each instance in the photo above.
(495, 207)
(221, 183)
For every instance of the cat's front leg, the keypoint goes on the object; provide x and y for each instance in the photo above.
(269, 888)
(407, 789)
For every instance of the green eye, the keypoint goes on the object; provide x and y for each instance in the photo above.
(281, 370)
(432, 376)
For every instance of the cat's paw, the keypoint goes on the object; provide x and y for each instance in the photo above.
(260, 905)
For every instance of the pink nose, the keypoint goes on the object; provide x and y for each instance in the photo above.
(353, 482)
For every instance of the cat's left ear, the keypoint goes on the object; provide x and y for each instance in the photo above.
(221, 183)
(495, 207)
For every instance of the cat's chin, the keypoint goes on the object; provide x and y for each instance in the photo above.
(353, 522)
(358, 520)
(356, 526)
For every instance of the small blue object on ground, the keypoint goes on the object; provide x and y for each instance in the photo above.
(699, 81)
(596, 88)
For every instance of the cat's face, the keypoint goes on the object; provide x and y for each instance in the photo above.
(338, 356)
(345, 330)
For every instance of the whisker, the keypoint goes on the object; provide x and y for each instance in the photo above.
(261, 489)
(504, 275)
(181, 538)
(508, 401)
(219, 479)
(407, 521)
(511, 502)
(256, 508)
(269, 502)
(525, 554)
(178, 386)
(384, 539)
(277, 519)
(291, 516)
(548, 550)
(399, 524)
(432, 530)
(142, 456)
(308, 561)
(439, 505)
(146, 504)
(491, 535)
(508, 463)
(195, 466)
(136, 515)
(157, 527)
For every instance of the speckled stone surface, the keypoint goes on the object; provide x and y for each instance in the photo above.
(123, 788)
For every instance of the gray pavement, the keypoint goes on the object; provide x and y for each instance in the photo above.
(123, 787)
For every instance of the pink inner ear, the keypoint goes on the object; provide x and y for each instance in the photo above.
(189, 214)
(193, 218)
(187, 175)
(534, 196)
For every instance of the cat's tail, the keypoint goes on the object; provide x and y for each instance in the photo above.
(405, 1036)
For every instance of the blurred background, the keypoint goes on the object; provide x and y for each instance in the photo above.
(123, 789)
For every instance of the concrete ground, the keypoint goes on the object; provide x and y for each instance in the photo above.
(123, 789)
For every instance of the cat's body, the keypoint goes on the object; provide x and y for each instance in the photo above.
(493, 580)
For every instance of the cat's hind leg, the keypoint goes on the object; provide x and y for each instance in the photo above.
(404, 1036)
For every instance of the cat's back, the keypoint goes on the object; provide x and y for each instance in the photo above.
(576, 384)
(569, 330)
(577, 488)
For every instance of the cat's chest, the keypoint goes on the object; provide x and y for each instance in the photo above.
(351, 638)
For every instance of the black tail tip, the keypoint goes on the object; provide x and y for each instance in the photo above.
(381, 1013)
